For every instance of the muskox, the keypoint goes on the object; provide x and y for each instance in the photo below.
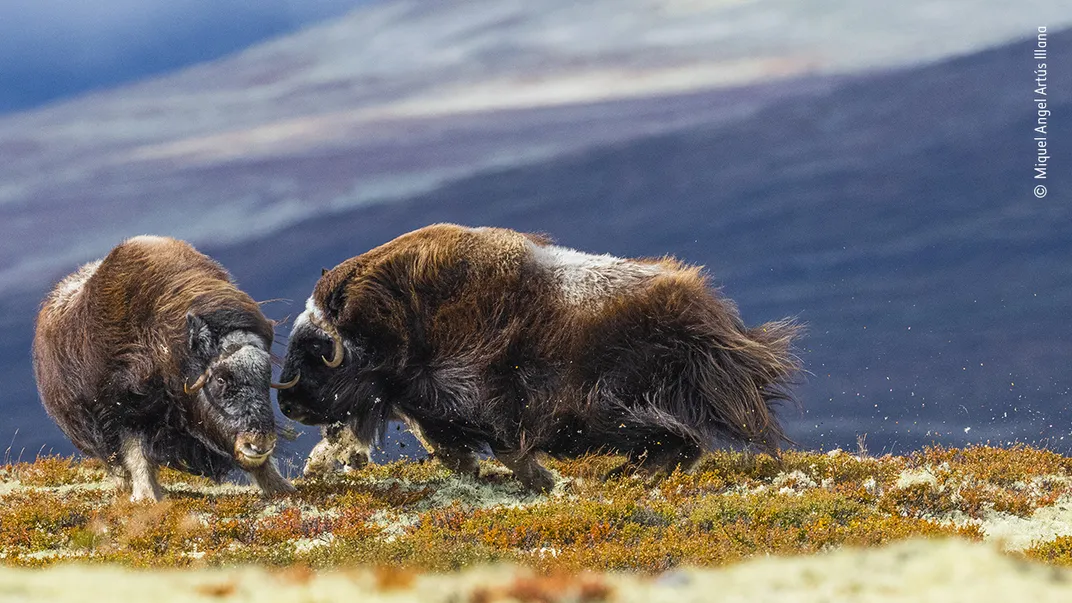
(152, 356)
(490, 339)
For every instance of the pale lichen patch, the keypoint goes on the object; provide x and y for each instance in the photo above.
(1014, 533)
(921, 475)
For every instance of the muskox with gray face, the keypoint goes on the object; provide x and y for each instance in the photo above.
(488, 338)
(152, 356)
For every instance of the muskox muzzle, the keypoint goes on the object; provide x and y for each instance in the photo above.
(253, 449)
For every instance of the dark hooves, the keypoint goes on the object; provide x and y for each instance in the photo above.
(538, 482)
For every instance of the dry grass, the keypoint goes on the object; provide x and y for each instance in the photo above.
(396, 518)
(1057, 551)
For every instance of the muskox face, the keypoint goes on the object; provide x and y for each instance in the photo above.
(232, 395)
(321, 363)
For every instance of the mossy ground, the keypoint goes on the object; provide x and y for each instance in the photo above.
(416, 516)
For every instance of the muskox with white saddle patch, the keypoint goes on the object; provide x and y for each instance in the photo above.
(487, 338)
(153, 356)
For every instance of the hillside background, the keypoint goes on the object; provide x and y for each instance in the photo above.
(866, 169)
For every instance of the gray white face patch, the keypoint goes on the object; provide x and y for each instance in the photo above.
(239, 379)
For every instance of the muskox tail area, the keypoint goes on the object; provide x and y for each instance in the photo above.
(673, 365)
(724, 386)
(768, 367)
(676, 367)
(739, 379)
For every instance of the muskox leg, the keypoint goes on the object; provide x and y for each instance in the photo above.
(458, 460)
(338, 446)
(140, 468)
(119, 474)
(527, 470)
(665, 460)
(418, 433)
(321, 459)
(661, 461)
(269, 480)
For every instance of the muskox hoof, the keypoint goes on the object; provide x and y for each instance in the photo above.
(626, 469)
(144, 490)
(278, 488)
(462, 462)
(541, 481)
(528, 471)
(270, 482)
(354, 460)
(660, 464)
(648, 473)
(140, 496)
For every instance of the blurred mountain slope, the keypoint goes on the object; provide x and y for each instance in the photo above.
(403, 96)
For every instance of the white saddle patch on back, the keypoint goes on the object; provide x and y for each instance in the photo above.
(148, 240)
(584, 278)
(70, 287)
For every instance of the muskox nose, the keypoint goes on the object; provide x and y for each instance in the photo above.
(253, 448)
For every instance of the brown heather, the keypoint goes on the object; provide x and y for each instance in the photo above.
(735, 506)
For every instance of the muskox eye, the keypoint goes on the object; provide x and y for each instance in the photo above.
(220, 382)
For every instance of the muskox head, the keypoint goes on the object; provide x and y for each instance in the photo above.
(228, 374)
(330, 376)
(318, 370)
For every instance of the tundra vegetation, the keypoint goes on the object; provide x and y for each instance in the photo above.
(410, 516)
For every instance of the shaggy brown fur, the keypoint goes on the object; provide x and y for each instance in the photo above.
(492, 337)
(113, 350)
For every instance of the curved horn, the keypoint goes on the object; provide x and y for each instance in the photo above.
(288, 384)
(337, 352)
(196, 387)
